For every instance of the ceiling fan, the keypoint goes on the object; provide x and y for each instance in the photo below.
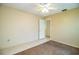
(45, 7)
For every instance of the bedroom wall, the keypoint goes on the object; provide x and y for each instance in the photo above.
(17, 27)
(48, 28)
(64, 27)
(48, 22)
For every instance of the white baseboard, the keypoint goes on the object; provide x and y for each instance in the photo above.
(75, 46)
(22, 47)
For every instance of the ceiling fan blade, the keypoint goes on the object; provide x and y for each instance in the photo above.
(51, 8)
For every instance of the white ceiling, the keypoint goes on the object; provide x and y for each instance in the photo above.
(31, 7)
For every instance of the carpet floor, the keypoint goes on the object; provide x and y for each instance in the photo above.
(51, 48)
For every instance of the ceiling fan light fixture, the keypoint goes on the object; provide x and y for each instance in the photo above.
(45, 10)
(45, 7)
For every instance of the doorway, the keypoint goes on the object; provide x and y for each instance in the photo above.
(44, 28)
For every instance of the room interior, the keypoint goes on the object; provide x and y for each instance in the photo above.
(39, 28)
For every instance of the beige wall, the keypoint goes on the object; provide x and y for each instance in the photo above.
(64, 27)
(48, 22)
(17, 27)
(47, 28)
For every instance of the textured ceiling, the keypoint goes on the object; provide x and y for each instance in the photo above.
(32, 7)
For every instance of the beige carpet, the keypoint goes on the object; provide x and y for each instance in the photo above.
(51, 48)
